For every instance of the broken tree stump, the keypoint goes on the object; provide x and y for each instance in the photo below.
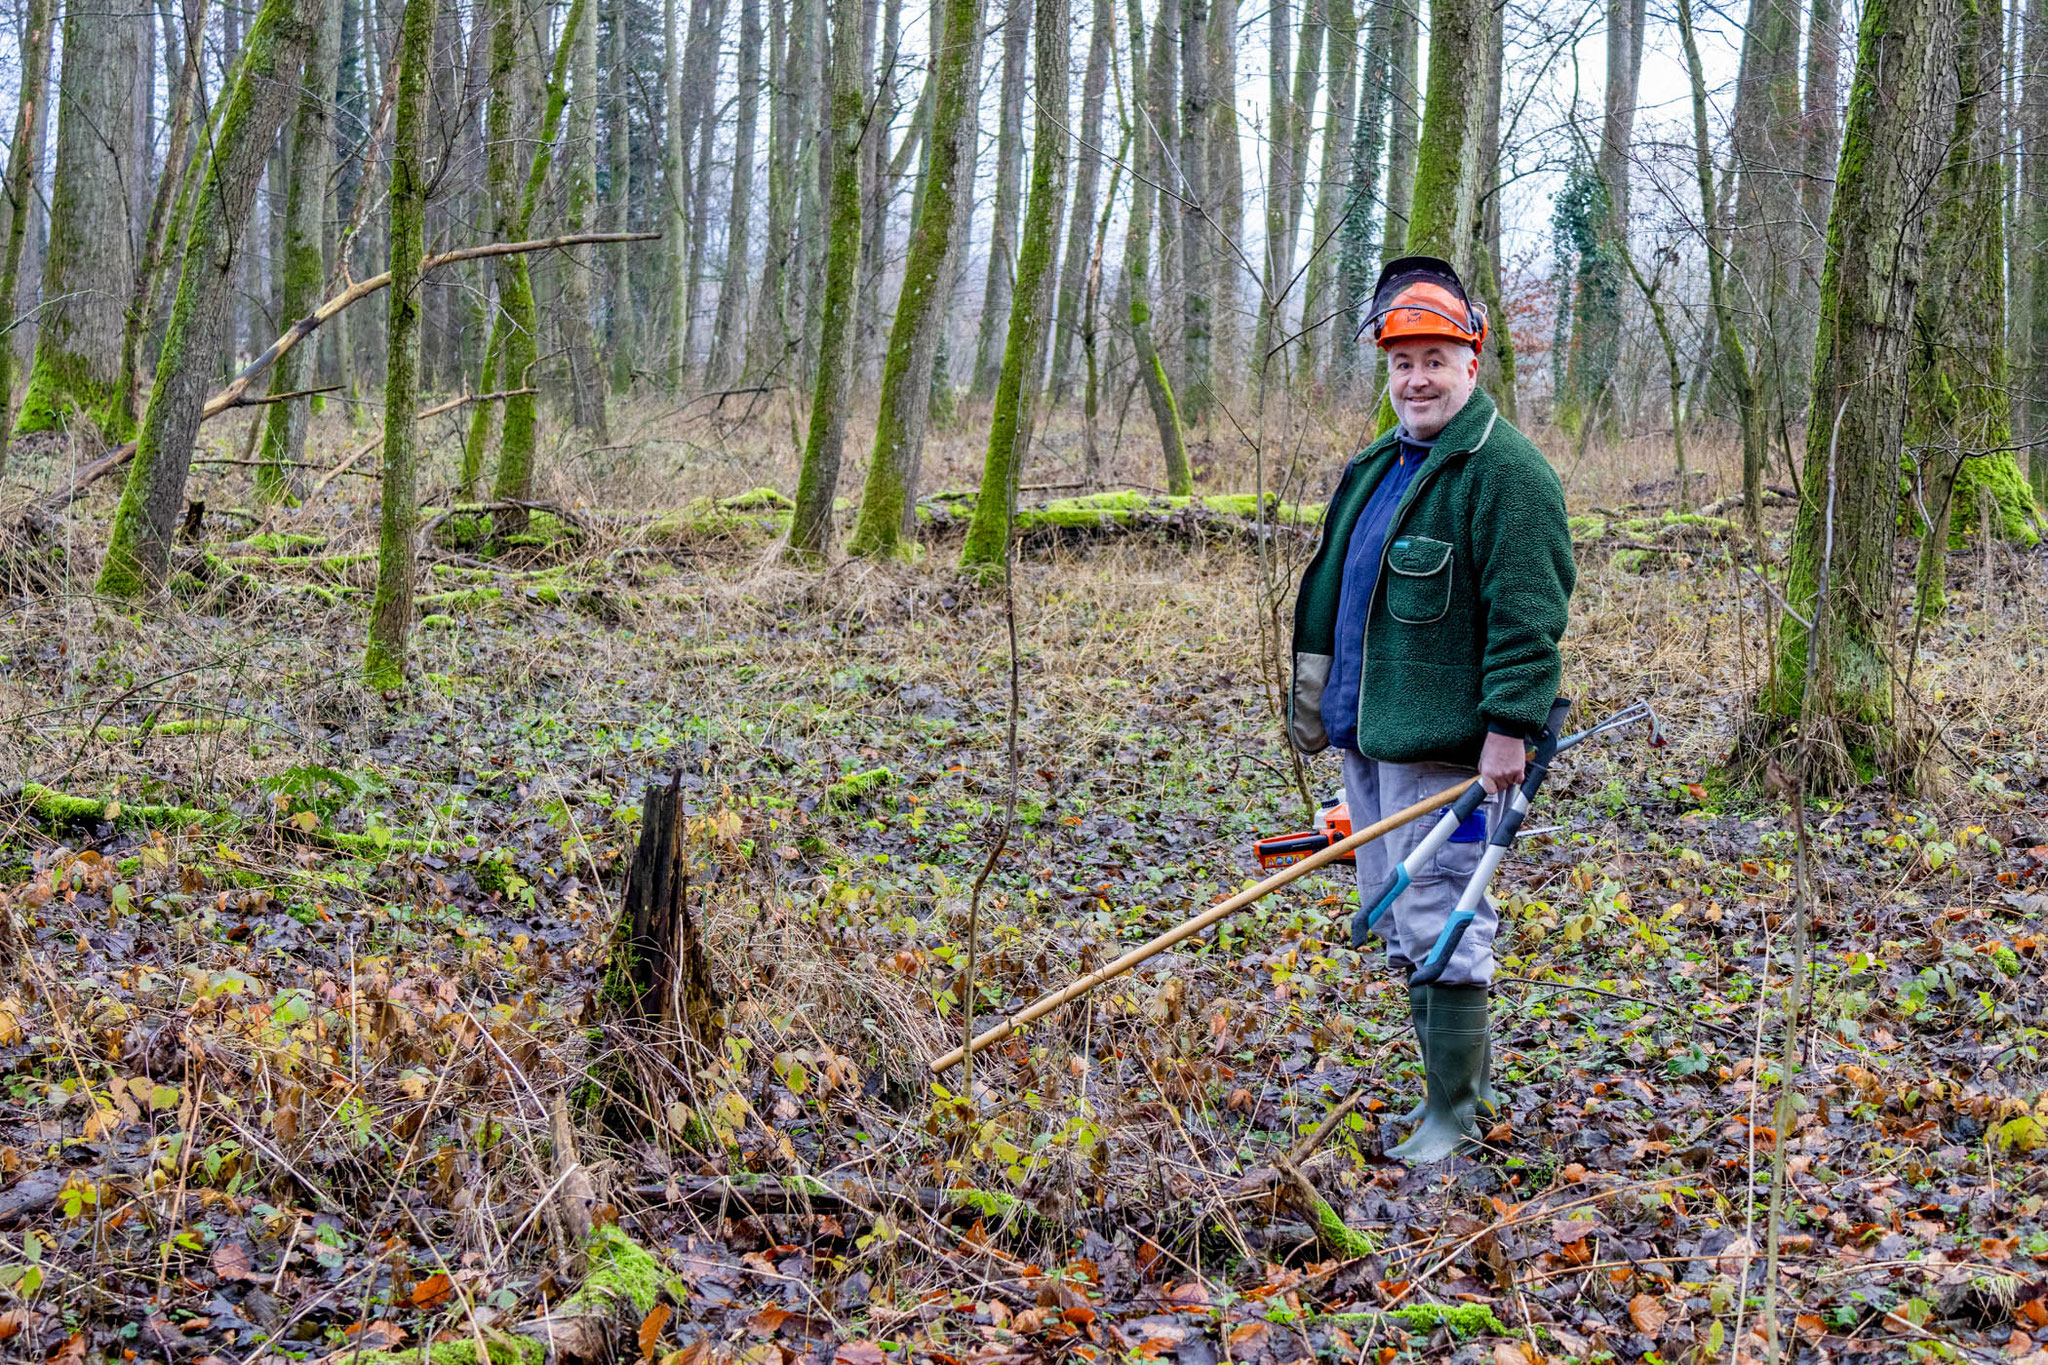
(659, 1002)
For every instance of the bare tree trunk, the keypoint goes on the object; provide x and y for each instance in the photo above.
(1319, 303)
(391, 606)
(579, 155)
(1088, 175)
(91, 255)
(1821, 139)
(768, 338)
(619, 316)
(304, 263)
(707, 20)
(138, 551)
(881, 177)
(1002, 242)
(675, 200)
(727, 357)
(1148, 154)
(22, 159)
(1766, 246)
(1226, 192)
(810, 525)
(1360, 233)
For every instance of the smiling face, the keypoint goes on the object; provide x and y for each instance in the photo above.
(1432, 379)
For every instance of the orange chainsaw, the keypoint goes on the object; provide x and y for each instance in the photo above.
(1333, 824)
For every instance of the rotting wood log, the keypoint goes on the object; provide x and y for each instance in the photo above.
(235, 395)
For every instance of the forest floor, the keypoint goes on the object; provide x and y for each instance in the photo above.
(300, 972)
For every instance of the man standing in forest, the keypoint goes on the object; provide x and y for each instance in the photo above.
(1425, 647)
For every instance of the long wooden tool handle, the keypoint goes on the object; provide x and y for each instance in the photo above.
(1046, 1004)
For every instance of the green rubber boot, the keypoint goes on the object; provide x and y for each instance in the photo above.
(1458, 1100)
(1418, 1014)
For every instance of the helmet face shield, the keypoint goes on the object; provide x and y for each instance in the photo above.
(1422, 297)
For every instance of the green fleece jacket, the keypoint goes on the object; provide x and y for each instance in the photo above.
(1473, 590)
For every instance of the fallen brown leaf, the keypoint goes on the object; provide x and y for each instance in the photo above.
(651, 1328)
(432, 1292)
(1648, 1314)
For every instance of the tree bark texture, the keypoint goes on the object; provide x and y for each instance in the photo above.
(91, 257)
(1359, 238)
(810, 523)
(303, 265)
(727, 354)
(1009, 433)
(138, 551)
(619, 303)
(579, 156)
(22, 159)
(1446, 205)
(1002, 242)
(888, 494)
(1892, 150)
(1319, 326)
(1201, 258)
(2034, 172)
(1089, 156)
(391, 606)
(1145, 168)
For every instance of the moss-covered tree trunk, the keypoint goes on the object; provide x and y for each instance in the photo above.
(810, 524)
(579, 156)
(1332, 198)
(1089, 155)
(302, 264)
(266, 83)
(1009, 433)
(1892, 150)
(727, 347)
(90, 258)
(1957, 406)
(521, 338)
(1290, 117)
(1404, 122)
(1201, 257)
(2034, 244)
(1146, 162)
(887, 494)
(1445, 211)
(22, 159)
(166, 212)
(1003, 246)
(391, 607)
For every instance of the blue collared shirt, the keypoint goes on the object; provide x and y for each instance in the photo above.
(1354, 598)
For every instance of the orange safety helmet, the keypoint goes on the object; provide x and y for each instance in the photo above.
(1421, 296)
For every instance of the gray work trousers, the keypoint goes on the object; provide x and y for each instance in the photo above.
(1374, 790)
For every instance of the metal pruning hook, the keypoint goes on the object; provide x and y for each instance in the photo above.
(1548, 747)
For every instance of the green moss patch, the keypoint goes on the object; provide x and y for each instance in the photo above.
(855, 786)
(61, 811)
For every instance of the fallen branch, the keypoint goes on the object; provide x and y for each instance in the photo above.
(235, 394)
(349, 460)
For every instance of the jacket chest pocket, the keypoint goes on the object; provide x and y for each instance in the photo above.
(1419, 580)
